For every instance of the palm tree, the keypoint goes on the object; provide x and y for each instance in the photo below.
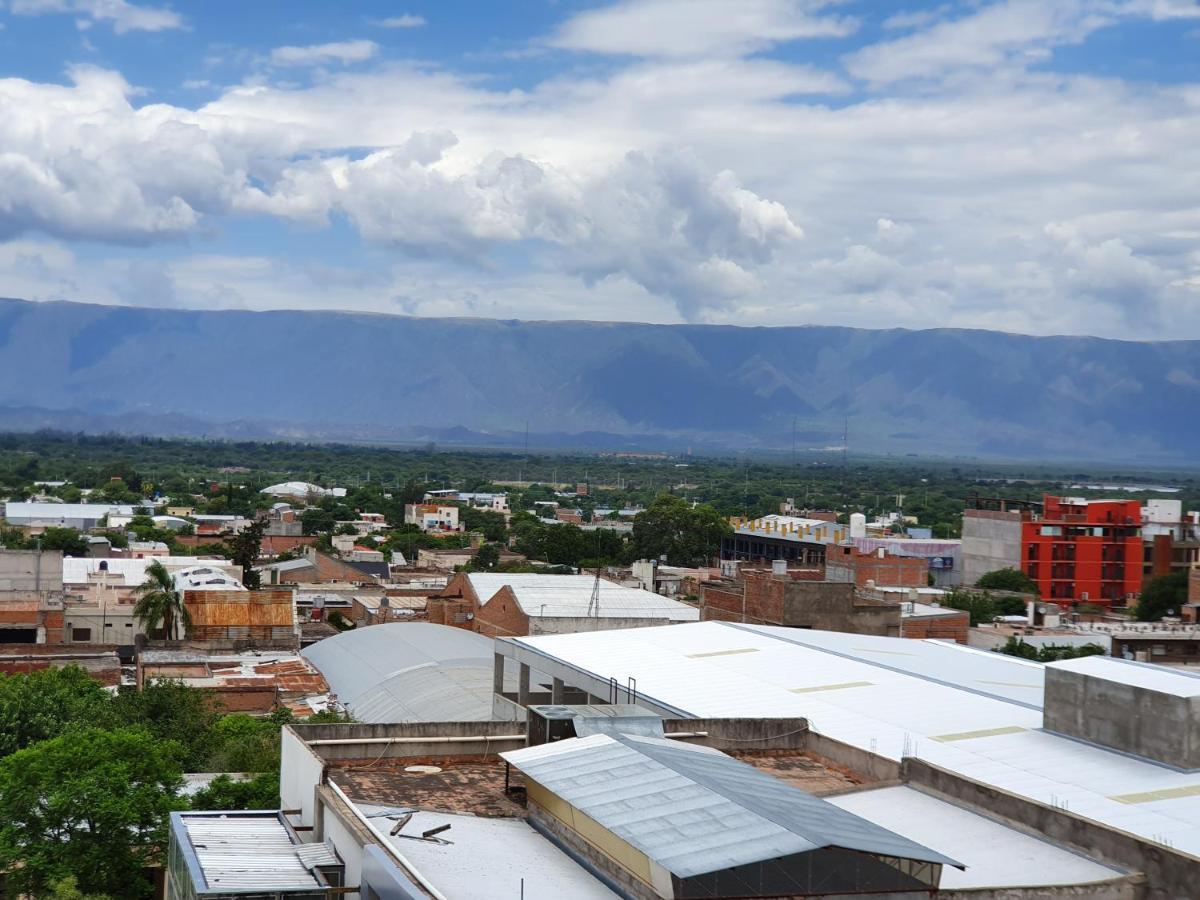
(158, 601)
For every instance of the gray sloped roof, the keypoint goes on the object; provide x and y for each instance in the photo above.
(408, 672)
(695, 810)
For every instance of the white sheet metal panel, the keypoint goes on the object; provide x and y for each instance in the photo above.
(718, 669)
(995, 855)
(570, 596)
(244, 852)
(992, 674)
(408, 672)
(1136, 674)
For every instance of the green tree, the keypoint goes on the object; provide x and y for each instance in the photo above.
(686, 535)
(159, 603)
(1015, 646)
(172, 711)
(68, 889)
(90, 803)
(68, 540)
(42, 705)
(1164, 595)
(1008, 580)
(245, 548)
(243, 743)
(259, 792)
(486, 558)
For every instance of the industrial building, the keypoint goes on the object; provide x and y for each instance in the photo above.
(82, 516)
(989, 730)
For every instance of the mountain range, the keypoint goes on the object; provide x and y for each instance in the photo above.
(333, 375)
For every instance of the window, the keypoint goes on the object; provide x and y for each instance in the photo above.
(81, 634)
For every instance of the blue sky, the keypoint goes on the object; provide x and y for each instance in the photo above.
(1021, 164)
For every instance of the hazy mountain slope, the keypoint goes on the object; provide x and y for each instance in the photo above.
(340, 374)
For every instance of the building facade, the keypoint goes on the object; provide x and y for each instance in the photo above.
(1084, 550)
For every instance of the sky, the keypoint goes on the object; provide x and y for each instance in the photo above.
(1022, 165)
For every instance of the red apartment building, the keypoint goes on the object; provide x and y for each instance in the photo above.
(1084, 550)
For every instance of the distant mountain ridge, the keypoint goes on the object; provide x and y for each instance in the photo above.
(331, 375)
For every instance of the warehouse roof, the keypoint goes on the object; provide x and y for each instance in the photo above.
(408, 672)
(570, 595)
(695, 810)
(53, 512)
(954, 707)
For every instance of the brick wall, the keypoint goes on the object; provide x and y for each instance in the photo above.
(501, 616)
(849, 564)
(950, 627)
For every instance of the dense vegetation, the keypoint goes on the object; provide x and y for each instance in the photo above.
(87, 777)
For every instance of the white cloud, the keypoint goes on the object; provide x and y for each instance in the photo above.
(665, 187)
(123, 16)
(321, 54)
(408, 20)
(676, 28)
(1012, 31)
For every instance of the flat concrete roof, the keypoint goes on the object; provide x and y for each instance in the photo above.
(490, 857)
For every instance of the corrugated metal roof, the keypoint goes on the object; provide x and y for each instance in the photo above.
(570, 595)
(1135, 674)
(696, 810)
(131, 572)
(57, 511)
(249, 852)
(408, 672)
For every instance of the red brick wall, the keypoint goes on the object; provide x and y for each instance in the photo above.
(720, 604)
(845, 563)
(255, 700)
(942, 628)
(763, 602)
(501, 616)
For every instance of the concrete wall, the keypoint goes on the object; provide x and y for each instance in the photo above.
(763, 598)
(990, 540)
(826, 606)
(1131, 719)
(1170, 874)
(31, 570)
(474, 739)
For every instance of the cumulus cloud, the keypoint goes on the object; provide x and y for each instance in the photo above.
(664, 223)
(667, 185)
(675, 28)
(322, 54)
(123, 16)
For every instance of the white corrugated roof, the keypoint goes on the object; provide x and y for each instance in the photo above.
(1136, 674)
(955, 707)
(57, 511)
(408, 672)
(570, 596)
